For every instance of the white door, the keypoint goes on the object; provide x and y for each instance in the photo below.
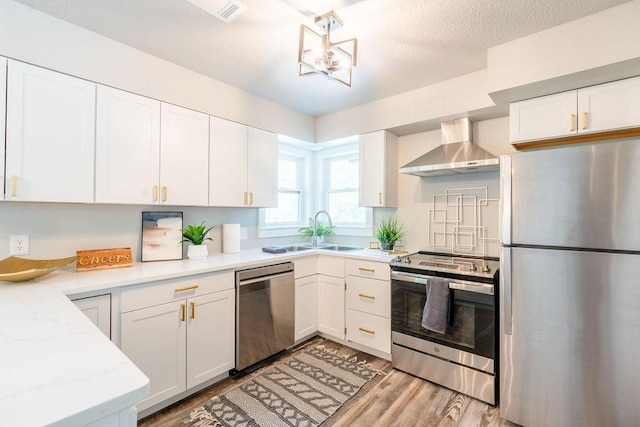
(98, 310)
(331, 305)
(262, 169)
(210, 336)
(50, 136)
(545, 117)
(372, 169)
(127, 148)
(3, 95)
(609, 106)
(184, 156)
(227, 163)
(155, 340)
(306, 308)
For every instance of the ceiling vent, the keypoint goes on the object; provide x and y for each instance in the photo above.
(224, 10)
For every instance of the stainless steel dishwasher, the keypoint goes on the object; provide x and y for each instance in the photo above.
(265, 304)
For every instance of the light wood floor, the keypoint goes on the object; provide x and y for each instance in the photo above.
(397, 399)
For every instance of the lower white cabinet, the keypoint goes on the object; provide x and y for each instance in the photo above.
(331, 305)
(306, 317)
(98, 310)
(368, 304)
(180, 333)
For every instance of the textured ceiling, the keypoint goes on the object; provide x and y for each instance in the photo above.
(402, 44)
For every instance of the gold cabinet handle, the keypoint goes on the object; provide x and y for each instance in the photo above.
(193, 310)
(14, 186)
(245, 198)
(367, 331)
(251, 198)
(380, 198)
(572, 122)
(183, 312)
(366, 296)
(583, 120)
(164, 193)
(368, 270)
(188, 288)
(155, 193)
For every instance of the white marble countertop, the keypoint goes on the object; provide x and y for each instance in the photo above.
(57, 368)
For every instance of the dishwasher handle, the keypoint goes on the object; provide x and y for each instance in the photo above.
(263, 278)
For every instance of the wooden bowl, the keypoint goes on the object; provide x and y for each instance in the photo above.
(16, 269)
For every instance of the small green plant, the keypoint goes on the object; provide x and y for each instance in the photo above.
(324, 229)
(195, 234)
(389, 230)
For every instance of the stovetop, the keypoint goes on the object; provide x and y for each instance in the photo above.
(467, 265)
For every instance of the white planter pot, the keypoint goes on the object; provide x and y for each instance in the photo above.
(197, 252)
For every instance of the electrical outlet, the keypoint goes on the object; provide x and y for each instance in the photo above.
(243, 233)
(19, 245)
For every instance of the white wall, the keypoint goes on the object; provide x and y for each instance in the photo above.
(37, 38)
(415, 194)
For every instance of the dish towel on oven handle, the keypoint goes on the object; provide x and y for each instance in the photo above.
(435, 315)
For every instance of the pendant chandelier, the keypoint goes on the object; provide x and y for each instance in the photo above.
(317, 54)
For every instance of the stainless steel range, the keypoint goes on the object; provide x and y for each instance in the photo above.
(465, 356)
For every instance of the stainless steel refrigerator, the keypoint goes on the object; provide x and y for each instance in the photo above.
(570, 286)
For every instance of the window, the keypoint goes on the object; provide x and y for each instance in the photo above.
(289, 211)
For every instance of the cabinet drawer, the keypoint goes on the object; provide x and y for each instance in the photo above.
(369, 330)
(374, 270)
(160, 292)
(305, 266)
(331, 266)
(369, 295)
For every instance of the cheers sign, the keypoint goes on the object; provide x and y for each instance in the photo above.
(99, 259)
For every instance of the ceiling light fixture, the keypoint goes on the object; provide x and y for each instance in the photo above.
(317, 54)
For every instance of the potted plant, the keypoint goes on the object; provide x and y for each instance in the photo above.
(323, 229)
(388, 231)
(197, 236)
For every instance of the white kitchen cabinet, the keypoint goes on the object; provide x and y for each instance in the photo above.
(127, 148)
(378, 169)
(180, 332)
(98, 310)
(50, 131)
(184, 156)
(331, 305)
(368, 304)
(306, 297)
(3, 105)
(243, 165)
(606, 107)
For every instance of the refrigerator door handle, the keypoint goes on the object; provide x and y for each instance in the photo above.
(505, 295)
(505, 196)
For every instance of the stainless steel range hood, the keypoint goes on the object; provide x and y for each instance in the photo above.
(457, 154)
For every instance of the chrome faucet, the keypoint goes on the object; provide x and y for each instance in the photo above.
(314, 238)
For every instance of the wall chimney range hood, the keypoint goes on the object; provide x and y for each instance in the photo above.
(456, 155)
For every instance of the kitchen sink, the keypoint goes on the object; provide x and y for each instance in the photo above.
(340, 248)
(297, 248)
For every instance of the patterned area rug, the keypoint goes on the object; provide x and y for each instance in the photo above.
(303, 390)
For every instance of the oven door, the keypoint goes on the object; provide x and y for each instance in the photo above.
(471, 333)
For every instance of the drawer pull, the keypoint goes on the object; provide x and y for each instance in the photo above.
(368, 270)
(155, 193)
(14, 186)
(183, 312)
(366, 296)
(245, 198)
(365, 330)
(251, 198)
(188, 288)
(193, 310)
(164, 193)
(572, 122)
(380, 198)
(584, 120)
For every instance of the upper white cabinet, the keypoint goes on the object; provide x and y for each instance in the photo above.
(598, 108)
(3, 95)
(184, 156)
(243, 165)
(378, 169)
(127, 148)
(49, 136)
(150, 152)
